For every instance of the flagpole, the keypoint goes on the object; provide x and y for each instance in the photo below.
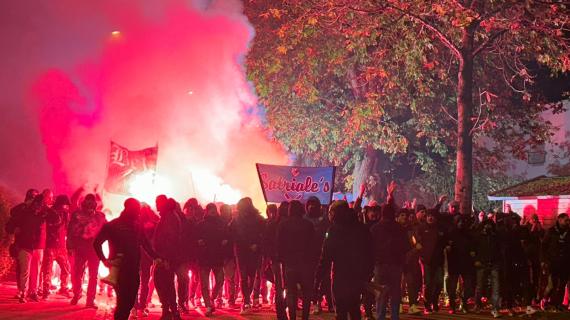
(192, 180)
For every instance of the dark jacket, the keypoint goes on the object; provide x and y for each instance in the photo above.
(460, 242)
(389, 243)
(556, 246)
(532, 241)
(12, 223)
(30, 227)
(247, 231)
(270, 239)
(432, 239)
(125, 238)
(167, 240)
(348, 248)
(487, 249)
(294, 236)
(56, 229)
(211, 234)
(83, 228)
(321, 225)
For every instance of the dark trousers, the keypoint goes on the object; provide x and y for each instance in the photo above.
(413, 279)
(58, 255)
(323, 288)
(126, 290)
(467, 275)
(146, 268)
(80, 259)
(559, 273)
(347, 306)
(433, 277)
(194, 283)
(298, 279)
(389, 276)
(260, 283)
(205, 282)
(229, 280)
(164, 283)
(278, 283)
(484, 274)
(183, 281)
(248, 267)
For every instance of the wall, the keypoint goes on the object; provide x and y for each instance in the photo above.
(560, 121)
(546, 209)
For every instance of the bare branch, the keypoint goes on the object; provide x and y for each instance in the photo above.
(479, 115)
(448, 114)
(488, 42)
(442, 37)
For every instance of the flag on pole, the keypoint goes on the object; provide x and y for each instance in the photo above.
(125, 165)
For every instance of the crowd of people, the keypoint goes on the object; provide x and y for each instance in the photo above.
(359, 260)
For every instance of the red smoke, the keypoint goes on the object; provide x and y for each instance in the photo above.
(173, 78)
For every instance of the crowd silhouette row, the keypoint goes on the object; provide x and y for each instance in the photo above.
(355, 261)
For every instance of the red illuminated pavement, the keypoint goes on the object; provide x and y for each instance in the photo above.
(58, 307)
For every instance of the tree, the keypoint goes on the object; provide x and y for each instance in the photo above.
(361, 77)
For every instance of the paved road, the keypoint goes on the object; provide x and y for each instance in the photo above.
(58, 307)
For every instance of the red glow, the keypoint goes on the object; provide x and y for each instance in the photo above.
(175, 80)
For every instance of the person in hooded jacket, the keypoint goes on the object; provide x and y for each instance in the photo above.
(555, 258)
(167, 243)
(432, 240)
(460, 251)
(270, 240)
(293, 235)
(126, 238)
(189, 289)
(148, 220)
(247, 231)
(487, 263)
(321, 224)
(212, 238)
(389, 249)
(29, 226)
(230, 287)
(55, 246)
(348, 251)
(83, 227)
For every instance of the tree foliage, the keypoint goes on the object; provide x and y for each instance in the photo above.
(342, 77)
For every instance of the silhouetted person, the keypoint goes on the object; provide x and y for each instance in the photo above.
(212, 238)
(247, 230)
(487, 263)
(30, 229)
(270, 245)
(55, 246)
(321, 224)
(556, 257)
(12, 228)
(347, 248)
(228, 254)
(84, 226)
(389, 248)
(293, 235)
(167, 243)
(148, 220)
(126, 237)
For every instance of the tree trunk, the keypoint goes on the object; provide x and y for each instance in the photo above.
(366, 168)
(464, 171)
